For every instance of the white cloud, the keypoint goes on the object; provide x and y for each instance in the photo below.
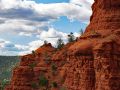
(9, 48)
(28, 18)
(35, 44)
(49, 11)
(52, 35)
(71, 10)
(85, 3)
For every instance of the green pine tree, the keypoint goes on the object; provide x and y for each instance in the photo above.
(71, 37)
(60, 43)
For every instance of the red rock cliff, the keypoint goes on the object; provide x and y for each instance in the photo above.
(91, 63)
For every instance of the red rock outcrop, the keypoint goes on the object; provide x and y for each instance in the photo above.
(90, 63)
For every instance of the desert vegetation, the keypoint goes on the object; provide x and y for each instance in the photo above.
(7, 64)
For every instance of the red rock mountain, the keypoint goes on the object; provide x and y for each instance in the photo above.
(90, 63)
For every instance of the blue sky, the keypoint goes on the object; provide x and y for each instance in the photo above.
(65, 25)
(25, 24)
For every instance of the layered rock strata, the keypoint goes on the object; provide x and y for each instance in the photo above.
(90, 63)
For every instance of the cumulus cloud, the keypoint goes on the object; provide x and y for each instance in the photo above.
(24, 9)
(84, 3)
(51, 33)
(51, 36)
(31, 19)
(20, 15)
(9, 48)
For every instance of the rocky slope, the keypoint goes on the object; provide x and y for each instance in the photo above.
(90, 63)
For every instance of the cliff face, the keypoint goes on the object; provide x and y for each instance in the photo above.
(90, 63)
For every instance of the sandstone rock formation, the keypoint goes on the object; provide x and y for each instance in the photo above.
(91, 63)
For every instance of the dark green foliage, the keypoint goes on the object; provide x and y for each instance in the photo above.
(71, 37)
(33, 52)
(54, 67)
(60, 43)
(32, 65)
(7, 63)
(34, 85)
(45, 42)
(43, 82)
(81, 32)
(47, 58)
(54, 84)
(3, 83)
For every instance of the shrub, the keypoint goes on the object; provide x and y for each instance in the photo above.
(33, 52)
(54, 84)
(47, 58)
(43, 81)
(45, 42)
(81, 32)
(4, 83)
(71, 37)
(32, 65)
(34, 85)
(60, 43)
(54, 67)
